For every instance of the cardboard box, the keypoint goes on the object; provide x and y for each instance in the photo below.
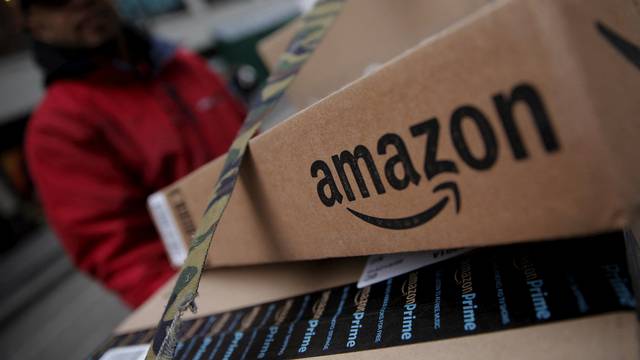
(610, 335)
(515, 124)
(366, 35)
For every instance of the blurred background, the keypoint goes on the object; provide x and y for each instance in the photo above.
(48, 310)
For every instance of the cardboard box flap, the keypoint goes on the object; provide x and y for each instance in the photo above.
(488, 133)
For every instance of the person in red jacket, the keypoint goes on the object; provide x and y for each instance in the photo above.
(124, 115)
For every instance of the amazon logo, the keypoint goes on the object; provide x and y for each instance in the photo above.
(400, 171)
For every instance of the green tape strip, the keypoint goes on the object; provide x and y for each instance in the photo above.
(315, 24)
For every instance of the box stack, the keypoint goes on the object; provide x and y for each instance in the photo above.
(503, 126)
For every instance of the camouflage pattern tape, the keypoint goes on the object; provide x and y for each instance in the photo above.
(314, 25)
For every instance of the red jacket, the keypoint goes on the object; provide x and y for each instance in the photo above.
(99, 145)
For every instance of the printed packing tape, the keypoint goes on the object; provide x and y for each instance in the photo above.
(487, 290)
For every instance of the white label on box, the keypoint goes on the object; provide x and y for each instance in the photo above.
(168, 228)
(382, 267)
(136, 352)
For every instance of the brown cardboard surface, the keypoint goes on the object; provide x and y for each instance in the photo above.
(367, 33)
(552, 49)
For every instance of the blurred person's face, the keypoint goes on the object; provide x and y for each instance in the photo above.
(73, 23)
